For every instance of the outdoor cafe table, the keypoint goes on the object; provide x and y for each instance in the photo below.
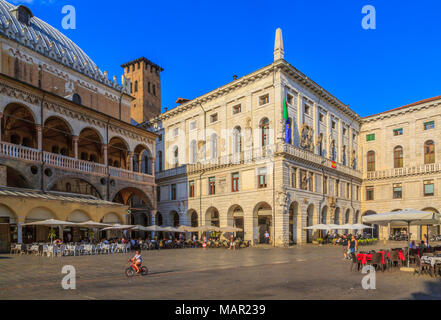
(365, 257)
(432, 260)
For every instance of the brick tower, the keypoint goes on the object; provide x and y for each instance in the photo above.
(145, 77)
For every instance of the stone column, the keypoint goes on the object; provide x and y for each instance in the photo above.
(152, 165)
(131, 161)
(19, 233)
(104, 148)
(248, 226)
(75, 142)
(39, 137)
(1, 119)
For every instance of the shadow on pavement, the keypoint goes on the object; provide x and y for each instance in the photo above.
(432, 291)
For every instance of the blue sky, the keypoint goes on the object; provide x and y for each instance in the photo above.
(202, 44)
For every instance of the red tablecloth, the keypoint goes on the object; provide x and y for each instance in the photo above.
(364, 257)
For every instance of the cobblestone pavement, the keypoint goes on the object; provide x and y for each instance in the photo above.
(303, 272)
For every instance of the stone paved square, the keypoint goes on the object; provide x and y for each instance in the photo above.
(303, 272)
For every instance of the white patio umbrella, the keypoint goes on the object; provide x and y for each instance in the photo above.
(119, 227)
(154, 228)
(407, 217)
(360, 227)
(51, 223)
(345, 226)
(138, 228)
(171, 229)
(230, 229)
(188, 229)
(93, 224)
(334, 226)
(318, 227)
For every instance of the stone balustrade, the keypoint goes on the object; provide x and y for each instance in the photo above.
(14, 151)
(401, 172)
(10, 150)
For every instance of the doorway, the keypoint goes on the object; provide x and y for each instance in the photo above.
(264, 226)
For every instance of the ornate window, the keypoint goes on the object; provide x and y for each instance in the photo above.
(213, 142)
(237, 140)
(398, 157)
(371, 161)
(160, 168)
(429, 152)
(264, 129)
(193, 152)
(176, 157)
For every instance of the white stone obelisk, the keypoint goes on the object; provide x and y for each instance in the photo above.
(279, 53)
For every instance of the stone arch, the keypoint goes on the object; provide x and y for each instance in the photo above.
(192, 218)
(118, 152)
(375, 231)
(139, 204)
(142, 159)
(124, 195)
(58, 136)
(174, 218)
(78, 216)
(324, 215)
(18, 126)
(236, 218)
(347, 218)
(212, 217)
(39, 214)
(16, 179)
(310, 213)
(295, 223)
(159, 219)
(38, 233)
(6, 213)
(234, 211)
(262, 221)
(111, 218)
(90, 145)
(357, 217)
(337, 218)
(72, 184)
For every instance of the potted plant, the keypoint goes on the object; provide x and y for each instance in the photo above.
(51, 234)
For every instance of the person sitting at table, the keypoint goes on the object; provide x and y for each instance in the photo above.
(422, 246)
(412, 245)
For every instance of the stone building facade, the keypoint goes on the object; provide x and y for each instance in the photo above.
(399, 149)
(145, 77)
(66, 133)
(223, 158)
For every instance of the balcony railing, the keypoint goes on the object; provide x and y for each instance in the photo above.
(15, 151)
(400, 172)
(131, 175)
(171, 172)
(64, 162)
(312, 157)
(256, 155)
(10, 150)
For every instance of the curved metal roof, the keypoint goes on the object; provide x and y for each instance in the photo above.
(48, 41)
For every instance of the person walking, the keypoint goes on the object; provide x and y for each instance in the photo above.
(232, 243)
(267, 237)
(352, 246)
